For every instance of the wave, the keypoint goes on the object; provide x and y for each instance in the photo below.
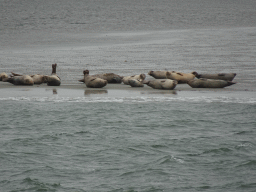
(136, 99)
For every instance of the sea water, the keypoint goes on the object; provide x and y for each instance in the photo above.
(138, 143)
(117, 140)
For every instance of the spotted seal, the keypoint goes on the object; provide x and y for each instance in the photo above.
(20, 80)
(221, 76)
(162, 83)
(137, 77)
(93, 82)
(209, 83)
(181, 77)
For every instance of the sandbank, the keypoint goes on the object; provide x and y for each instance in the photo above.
(115, 90)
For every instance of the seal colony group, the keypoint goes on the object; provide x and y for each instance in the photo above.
(161, 79)
(18, 79)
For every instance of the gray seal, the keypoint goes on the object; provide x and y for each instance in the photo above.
(221, 76)
(136, 77)
(53, 79)
(209, 83)
(158, 74)
(136, 82)
(20, 80)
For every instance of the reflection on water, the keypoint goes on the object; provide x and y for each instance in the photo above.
(89, 92)
(54, 91)
(172, 92)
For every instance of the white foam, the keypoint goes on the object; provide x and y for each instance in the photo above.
(135, 99)
(121, 96)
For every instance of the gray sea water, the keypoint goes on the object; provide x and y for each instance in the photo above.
(120, 140)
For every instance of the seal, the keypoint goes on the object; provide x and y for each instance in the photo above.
(53, 79)
(181, 77)
(93, 82)
(39, 79)
(158, 74)
(162, 84)
(20, 80)
(136, 82)
(209, 83)
(110, 77)
(3, 76)
(137, 77)
(221, 76)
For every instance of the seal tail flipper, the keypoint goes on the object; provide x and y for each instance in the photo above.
(231, 83)
(145, 82)
(9, 80)
(198, 76)
(81, 80)
(15, 74)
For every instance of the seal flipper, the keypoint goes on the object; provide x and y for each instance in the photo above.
(230, 83)
(15, 74)
(81, 80)
(9, 80)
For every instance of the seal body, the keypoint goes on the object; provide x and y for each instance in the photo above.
(162, 84)
(3, 76)
(181, 77)
(53, 79)
(39, 79)
(137, 77)
(110, 77)
(136, 82)
(92, 81)
(158, 74)
(221, 76)
(20, 80)
(209, 83)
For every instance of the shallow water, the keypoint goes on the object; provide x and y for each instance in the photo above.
(58, 139)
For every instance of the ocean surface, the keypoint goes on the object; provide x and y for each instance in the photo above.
(78, 140)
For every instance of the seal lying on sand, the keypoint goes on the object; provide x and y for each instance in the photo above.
(3, 76)
(137, 77)
(221, 76)
(110, 77)
(209, 83)
(20, 80)
(38, 79)
(136, 82)
(162, 83)
(158, 74)
(93, 82)
(53, 79)
(181, 77)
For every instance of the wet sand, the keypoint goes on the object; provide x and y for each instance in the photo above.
(114, 90)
